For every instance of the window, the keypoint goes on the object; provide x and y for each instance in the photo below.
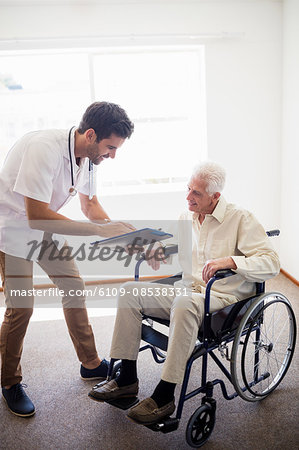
(39, 91)
(163, 92)
(161, 89)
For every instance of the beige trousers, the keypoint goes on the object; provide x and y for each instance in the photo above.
(184, 308)
(16, 274)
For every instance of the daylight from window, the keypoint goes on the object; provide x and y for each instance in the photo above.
(162, 92)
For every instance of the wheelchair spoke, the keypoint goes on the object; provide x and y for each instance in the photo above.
(267, 357)
(278, 337)
(281, 331)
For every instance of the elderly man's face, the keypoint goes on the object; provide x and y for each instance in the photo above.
(199, 201)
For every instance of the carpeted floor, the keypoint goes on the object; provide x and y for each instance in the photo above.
(67, 419)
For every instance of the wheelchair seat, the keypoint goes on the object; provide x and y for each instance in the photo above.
(226, 320)
(224, 323)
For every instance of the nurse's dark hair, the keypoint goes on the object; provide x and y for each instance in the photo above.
(106, 119)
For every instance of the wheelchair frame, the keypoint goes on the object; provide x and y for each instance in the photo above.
(201, 423)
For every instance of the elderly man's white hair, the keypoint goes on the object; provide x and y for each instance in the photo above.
(212, 173)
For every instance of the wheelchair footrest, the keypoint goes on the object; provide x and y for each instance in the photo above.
(165, 425)
(124, 403)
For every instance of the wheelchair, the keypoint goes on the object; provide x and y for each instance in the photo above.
(256, 336)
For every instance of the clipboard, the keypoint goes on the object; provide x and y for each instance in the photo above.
(145, 236)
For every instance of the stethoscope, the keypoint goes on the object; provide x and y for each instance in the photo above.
(72, 190)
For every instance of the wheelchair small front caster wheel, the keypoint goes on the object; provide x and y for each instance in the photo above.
(200, 426)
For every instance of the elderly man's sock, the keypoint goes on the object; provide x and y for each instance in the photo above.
(164, 393)
(128, 373)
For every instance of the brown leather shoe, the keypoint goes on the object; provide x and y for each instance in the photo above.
(110, 390)
(148, 413)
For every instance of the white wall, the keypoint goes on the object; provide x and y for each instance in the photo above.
(243, 79)
(290, 140)
(243, 75)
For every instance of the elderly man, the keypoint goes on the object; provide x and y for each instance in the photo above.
(224, 236)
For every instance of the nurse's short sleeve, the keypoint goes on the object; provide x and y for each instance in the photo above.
(37, 171)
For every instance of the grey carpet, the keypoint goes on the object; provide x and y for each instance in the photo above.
(67, 419)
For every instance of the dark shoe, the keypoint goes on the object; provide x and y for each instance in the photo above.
(17, 401)
(99, 373)
(110, 390)
(148, 413)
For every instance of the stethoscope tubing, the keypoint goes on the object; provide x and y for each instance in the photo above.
(71, 162)
(73, 190)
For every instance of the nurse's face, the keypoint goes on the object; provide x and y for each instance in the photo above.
(106, 148)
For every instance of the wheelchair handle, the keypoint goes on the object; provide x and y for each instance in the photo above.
(271, 233)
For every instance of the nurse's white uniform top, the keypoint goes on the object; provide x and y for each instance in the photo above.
(37, 166)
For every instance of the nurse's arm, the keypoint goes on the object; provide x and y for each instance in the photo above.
(41, 217)
(92, 208)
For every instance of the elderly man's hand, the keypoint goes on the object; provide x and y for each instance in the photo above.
(155, 255)
(213, 265)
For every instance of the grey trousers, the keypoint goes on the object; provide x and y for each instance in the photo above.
(183, 307)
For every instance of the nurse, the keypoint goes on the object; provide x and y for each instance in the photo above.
(41, 173)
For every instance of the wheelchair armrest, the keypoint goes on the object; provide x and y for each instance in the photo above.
(219, 275)
(171, 250)
(224, 273)
(271, 233)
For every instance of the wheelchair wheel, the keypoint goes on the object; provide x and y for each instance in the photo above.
(263, 346)
(200, 425)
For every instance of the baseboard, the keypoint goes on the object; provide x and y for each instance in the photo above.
(290, 277)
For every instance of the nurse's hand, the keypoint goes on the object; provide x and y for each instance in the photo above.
(111, 228)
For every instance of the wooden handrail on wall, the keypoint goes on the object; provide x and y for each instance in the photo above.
(147, 278)
(110, 281)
